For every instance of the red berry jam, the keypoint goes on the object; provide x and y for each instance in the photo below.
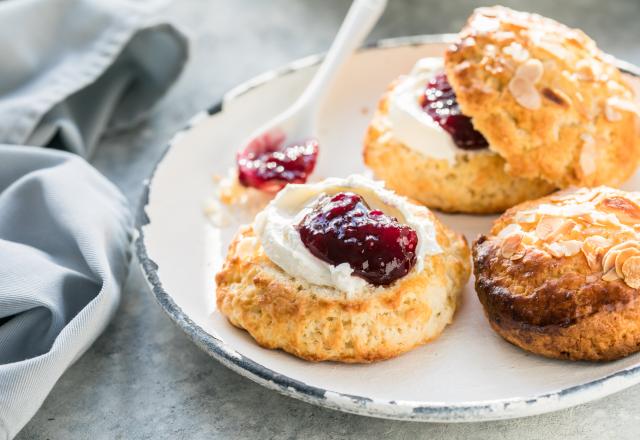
(441, 104)
(342, 229)
(268, 164)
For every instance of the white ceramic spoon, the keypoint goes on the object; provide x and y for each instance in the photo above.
(298, 122)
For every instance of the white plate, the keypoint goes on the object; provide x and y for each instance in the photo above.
(468, 374)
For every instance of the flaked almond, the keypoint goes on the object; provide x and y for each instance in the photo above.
(554, 249)
(567, 194)
(593, 248)
(517, 255)
(627, 211)
(526, 216)
(530, 71)
(592, 260)
(624, 245)
(548, 227)
(529, 238)
(609, 259)
(567, 248)
(631, 272)
(597, 242)
(510, 229)
(522, 85)
(588, 155)
(623, 105)
(554, 49)
(570, 247)
(510, 245)
(525, 93)
(594, 230)
(611, 275)
(622, 257)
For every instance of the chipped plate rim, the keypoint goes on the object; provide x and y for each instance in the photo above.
(424, 411)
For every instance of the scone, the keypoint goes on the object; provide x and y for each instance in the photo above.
(520, 105)
(545, 98)
(415, 156)
(343, 270)
(560, 276)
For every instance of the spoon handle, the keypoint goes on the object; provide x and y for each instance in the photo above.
(362, 16)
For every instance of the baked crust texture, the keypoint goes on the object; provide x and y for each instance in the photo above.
(476, 183)
(321, 323)
(560, 276)
(546, 98)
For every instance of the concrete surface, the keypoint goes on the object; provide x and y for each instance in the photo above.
(144, 379)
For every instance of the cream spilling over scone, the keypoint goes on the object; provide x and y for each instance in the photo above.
(560, 276)
(343, 270)
(277, 229)
(519, 105)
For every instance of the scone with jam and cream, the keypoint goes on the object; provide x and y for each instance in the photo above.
(518, 106)
(343, 270)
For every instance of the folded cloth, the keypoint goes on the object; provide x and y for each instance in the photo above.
(64, 245)
(71, 69)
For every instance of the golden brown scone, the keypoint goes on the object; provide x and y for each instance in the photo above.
(476, 183)
(560, 276)
(546, 98)
(321, 323)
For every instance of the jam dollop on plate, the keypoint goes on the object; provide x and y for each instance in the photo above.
(268, 163)
(441, 104)
(343, 229)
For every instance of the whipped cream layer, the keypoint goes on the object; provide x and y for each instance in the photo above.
(275, 227)
(413, 126)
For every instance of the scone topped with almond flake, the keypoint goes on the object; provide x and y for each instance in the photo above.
(560, 276)
(546, 98)
(519, 106)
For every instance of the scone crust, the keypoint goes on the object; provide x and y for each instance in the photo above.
(546, 98)
(569, 295)
(475, 183)
(318, 323)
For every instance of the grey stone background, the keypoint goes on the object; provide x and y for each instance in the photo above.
(144, 379)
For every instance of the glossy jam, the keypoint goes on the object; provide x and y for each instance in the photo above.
(343, 229)
(268, 164)
(441, 104)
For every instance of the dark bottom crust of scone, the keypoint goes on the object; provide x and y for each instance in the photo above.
(556, 308)
(604, 336)
(567, 317)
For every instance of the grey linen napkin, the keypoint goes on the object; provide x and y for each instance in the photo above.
(71, 70)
